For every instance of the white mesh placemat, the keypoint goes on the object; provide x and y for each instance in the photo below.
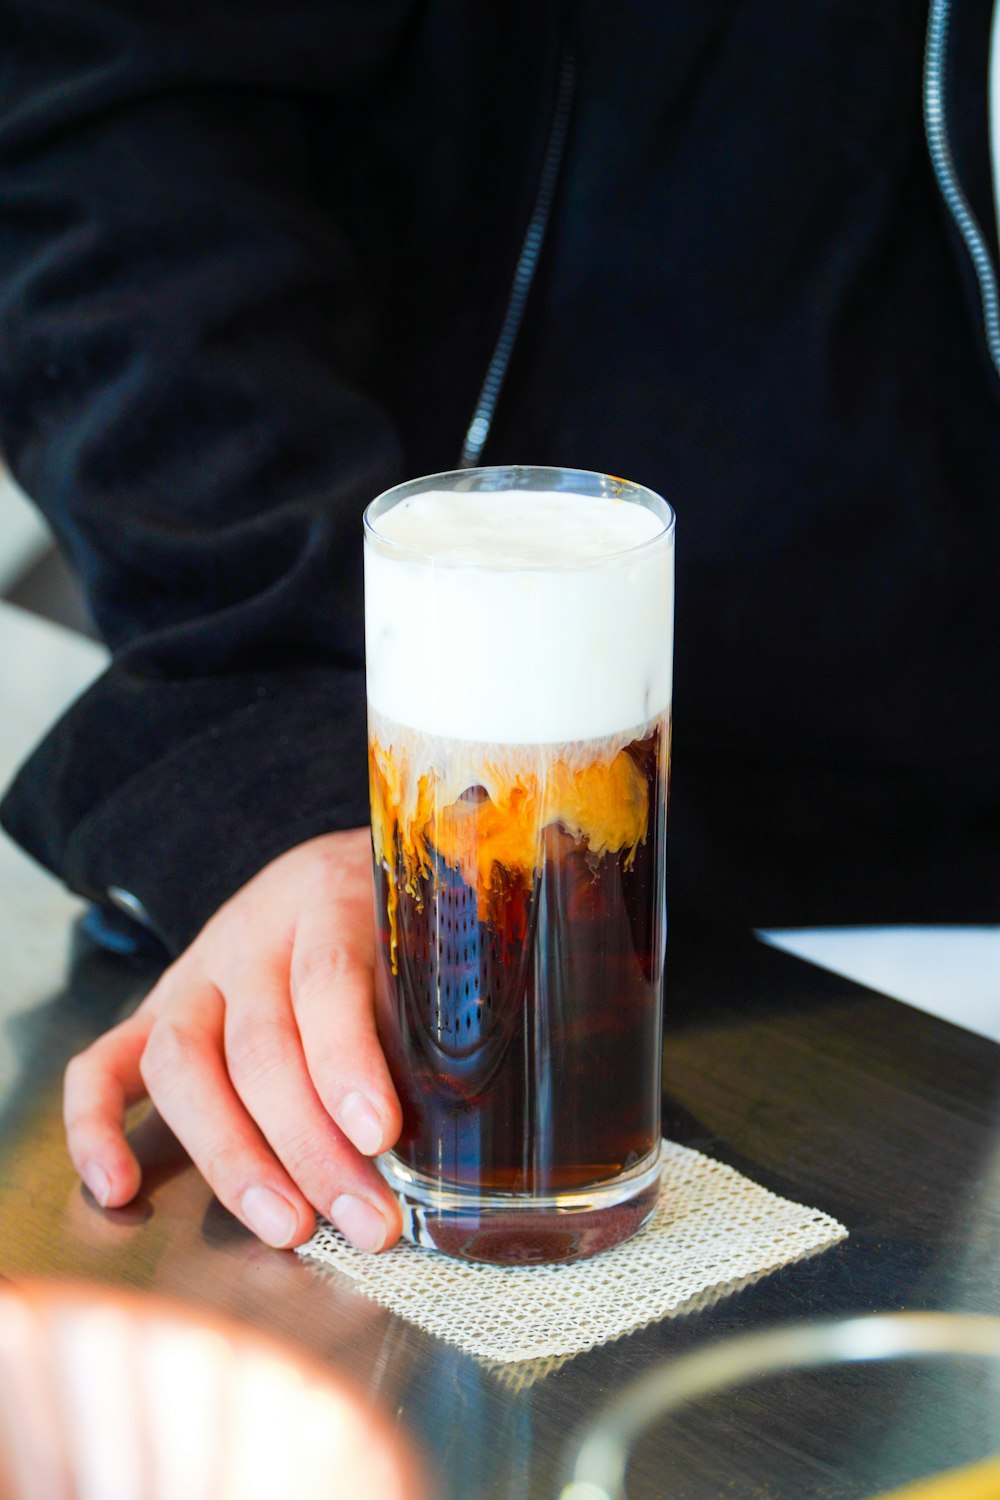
(711, 1231)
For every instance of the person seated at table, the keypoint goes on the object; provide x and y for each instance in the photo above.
(259, 262)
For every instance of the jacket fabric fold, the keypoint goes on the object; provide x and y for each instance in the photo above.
(254, 261)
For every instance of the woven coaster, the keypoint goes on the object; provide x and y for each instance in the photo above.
(712, 1230)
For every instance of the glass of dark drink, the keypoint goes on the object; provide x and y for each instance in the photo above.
(519, 644)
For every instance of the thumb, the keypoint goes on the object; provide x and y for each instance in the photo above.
(98, 1088)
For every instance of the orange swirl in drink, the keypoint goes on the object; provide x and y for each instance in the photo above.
(485, 809)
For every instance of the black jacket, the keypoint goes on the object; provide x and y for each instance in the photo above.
(254, 262)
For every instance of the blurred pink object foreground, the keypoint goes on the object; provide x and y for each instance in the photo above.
(106, 1395)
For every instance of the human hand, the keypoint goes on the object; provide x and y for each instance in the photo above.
(258, 1048)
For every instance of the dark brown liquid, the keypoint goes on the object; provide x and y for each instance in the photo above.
(525, 1047)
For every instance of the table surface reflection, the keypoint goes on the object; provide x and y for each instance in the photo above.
(824, 1092)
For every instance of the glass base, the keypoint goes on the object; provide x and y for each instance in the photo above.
(520, 1229)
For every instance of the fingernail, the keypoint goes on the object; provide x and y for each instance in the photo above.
(363, 1225)
(271, 1217)
(98, 1181)
(360, 1124)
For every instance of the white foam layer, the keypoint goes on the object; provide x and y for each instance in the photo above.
(542, 617)
(514, 528)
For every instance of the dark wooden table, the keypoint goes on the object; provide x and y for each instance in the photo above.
(825, 1092)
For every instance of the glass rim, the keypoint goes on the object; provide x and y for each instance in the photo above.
(595, 1464)
(610, 484)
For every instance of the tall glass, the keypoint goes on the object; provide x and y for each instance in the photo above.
(519, 638)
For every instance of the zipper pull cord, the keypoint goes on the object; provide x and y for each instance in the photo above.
(527, 265)
(939, 146)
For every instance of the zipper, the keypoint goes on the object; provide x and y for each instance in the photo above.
(942, 162)
(527, 264)
(939, 146)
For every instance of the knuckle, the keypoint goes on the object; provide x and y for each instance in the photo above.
(255, 1050)
(85, 1067)
(78, 1087)
(78, 1069)
(318, 968)
(224, 1166)
(337, 868)
(230, 930)
(170, 1049)
(303, 1157)
(325, 878)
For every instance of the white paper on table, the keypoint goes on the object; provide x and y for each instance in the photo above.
(952, 972)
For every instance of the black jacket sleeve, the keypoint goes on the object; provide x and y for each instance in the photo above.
(185, 348)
